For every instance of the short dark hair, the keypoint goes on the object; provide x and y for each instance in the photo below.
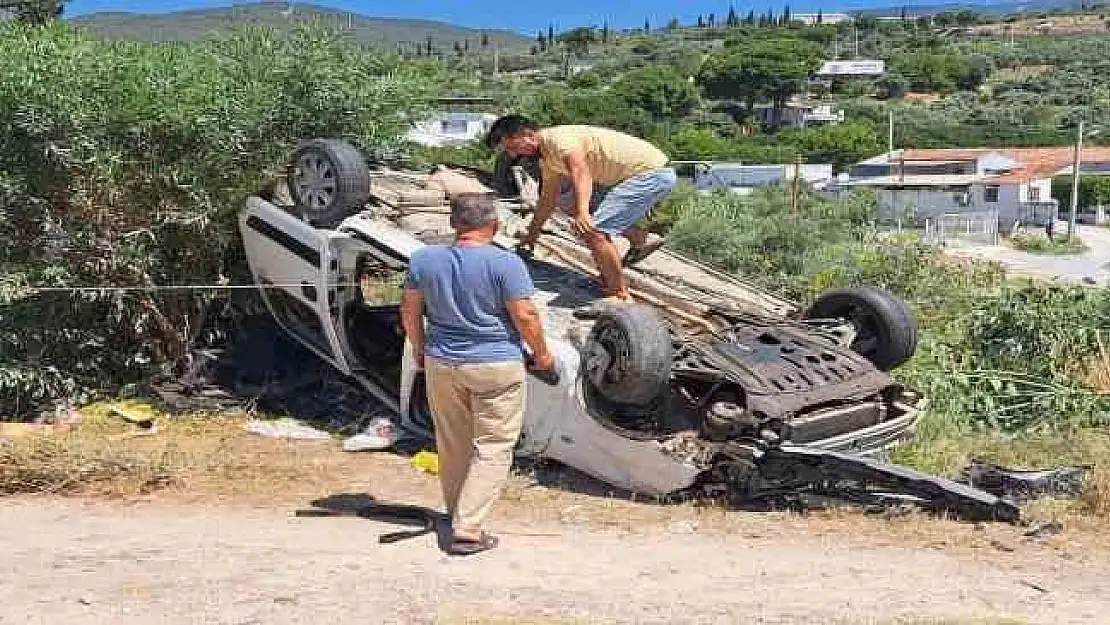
(473, 210)
(508, 126)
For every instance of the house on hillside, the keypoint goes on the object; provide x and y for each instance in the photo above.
(451, 129)
(1015, 184)
(744, 179)
(799, 114)
(857, 68)
(811, 19)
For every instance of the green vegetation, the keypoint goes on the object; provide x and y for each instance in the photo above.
(1037, 244)
(1000, 359)
(124, 164)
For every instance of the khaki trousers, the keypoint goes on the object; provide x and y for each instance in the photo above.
(478, 411)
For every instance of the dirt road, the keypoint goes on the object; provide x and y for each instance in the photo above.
(66, 561)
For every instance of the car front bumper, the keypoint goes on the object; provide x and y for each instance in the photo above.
(877, 439)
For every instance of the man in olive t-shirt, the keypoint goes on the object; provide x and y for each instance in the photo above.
(633, 172)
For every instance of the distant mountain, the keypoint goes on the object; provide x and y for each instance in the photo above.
(381, 32)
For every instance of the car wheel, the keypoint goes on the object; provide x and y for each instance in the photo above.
(629, 354)
(328, 179)
(886, 331)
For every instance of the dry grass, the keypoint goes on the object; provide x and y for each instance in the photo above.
(215, 459)
(104, 455)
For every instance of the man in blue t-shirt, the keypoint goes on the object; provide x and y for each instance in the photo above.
(476, 299)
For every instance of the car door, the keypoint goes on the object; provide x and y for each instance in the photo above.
(295, 270)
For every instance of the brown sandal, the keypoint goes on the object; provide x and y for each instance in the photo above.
(466, 547)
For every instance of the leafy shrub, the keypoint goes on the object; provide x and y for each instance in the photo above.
(991, 354)
(659, 90)
(1036, 244)
(124, 164)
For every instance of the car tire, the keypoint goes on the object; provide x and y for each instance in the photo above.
(629, 354)
(885, 326)
(328, 180)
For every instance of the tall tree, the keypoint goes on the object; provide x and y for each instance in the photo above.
(712, 20)
(551, 35)
(659, 90)
(820, 17)
(750, 19)
(541, 39)
(757, 69)
(647, 26)
(701, 22)
(429, 42)
(605, 32)
(904, 15)
(786, 15)
(673, 24)
(732, 21)
(485, 40)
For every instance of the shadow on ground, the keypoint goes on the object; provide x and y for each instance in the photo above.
(365, 506)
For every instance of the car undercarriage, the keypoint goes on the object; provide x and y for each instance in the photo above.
(707, 383)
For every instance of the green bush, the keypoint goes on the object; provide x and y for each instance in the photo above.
(991, 354)
(124, 164)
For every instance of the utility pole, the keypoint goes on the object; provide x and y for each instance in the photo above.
(1076, 163)
(855, 35)
(496, 60)
(795, 187)
(890, 135)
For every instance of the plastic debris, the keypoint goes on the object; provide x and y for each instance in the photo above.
(285, 428)
(428, 461)
(379, 435)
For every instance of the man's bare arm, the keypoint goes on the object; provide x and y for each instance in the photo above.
(549, 197)
(527, 321)
(412, 320)
(581, 182)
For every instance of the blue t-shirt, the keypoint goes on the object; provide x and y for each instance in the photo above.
(465, 289)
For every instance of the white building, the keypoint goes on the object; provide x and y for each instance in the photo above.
(826, 18)
(858, 67)
(1015, 183)
(800, 114)
(743, 179)
(449, 129)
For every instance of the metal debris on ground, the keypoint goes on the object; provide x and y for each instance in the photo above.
(1024, 484)
(1045, 530)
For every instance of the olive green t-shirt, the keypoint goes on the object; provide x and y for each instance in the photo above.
(611, 156)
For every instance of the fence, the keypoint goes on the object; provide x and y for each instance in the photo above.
(1037, 213)
(978, 227)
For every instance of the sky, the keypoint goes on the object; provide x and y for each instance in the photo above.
(523, 16)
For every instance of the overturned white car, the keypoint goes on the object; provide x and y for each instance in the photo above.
(707, 381)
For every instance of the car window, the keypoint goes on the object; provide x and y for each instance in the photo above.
(380, 285)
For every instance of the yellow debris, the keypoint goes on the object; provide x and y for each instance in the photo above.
(428, 461)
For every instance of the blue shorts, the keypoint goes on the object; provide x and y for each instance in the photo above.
(624, 205)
